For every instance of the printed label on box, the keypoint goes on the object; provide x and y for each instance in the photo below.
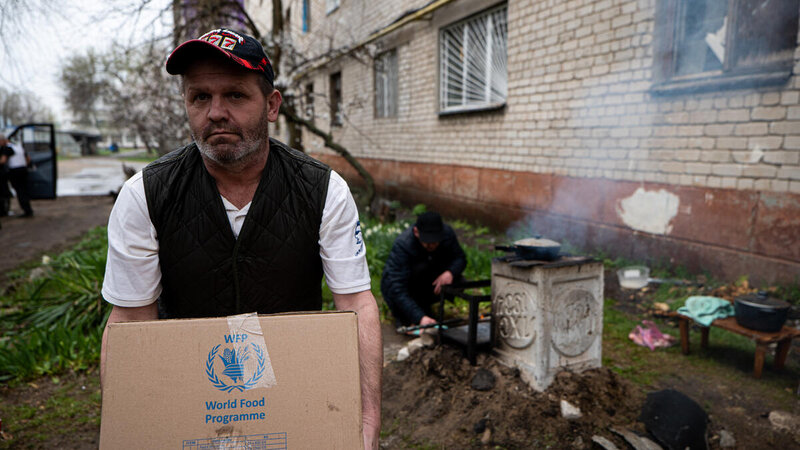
(271, 441)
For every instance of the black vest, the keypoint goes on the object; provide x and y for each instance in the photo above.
(273, 266)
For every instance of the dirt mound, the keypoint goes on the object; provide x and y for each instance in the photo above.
(428, 399)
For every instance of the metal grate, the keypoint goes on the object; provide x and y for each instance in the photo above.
(473, 62)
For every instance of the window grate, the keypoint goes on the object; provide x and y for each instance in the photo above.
(473, 58)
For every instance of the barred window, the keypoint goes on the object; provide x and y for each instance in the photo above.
(386, 84)
(472, 56)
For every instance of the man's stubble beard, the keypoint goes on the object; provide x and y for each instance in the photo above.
(242, 152)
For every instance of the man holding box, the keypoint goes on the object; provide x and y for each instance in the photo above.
(236, 222)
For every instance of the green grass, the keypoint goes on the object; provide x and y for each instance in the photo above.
(727, 360)
(620, 354)
(51, 407)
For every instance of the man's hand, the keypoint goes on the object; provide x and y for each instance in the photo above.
(427, 321)
(120, 314)
(442, 280)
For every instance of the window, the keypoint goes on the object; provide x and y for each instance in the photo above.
(336, 98)
(331, 5)
(386, 84)
(308, 101)
(472, 55)
(716, 44)
(306, 16)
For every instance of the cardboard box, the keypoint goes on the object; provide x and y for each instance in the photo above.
(266, 382)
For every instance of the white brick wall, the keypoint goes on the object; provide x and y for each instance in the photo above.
(579, 104)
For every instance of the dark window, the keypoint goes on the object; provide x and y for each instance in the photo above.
(308, 101)
(386, 84)
(336, 98)
(709, 44)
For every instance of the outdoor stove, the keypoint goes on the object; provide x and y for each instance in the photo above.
(547, 315)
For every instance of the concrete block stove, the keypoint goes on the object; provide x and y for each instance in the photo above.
(548, 315)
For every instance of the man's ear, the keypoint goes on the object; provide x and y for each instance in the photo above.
(274, 100)
(416, 232)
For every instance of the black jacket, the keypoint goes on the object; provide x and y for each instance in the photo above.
(407, 252)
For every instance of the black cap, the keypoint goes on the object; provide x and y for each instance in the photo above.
(430, 227)
(240, 48)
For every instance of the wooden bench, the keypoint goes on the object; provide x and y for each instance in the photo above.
(762, 339)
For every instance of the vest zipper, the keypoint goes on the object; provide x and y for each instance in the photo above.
(236, 276)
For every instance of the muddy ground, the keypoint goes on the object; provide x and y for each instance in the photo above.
(429, 402)
(56, 225)
(428, 399)
(432, 395)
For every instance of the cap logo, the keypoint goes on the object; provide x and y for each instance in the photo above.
(222, 38)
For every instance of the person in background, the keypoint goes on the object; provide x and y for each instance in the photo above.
(237, 222)
(423, 258)
(17, 163)
(5, 193)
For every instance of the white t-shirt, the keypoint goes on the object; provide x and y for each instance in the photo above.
(16, 160)
(133, 274)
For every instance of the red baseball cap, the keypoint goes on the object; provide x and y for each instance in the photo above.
(240, 48)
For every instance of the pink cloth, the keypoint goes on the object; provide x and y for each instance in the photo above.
(650, 336)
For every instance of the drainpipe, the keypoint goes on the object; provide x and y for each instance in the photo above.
(378, 34)
(405, 20)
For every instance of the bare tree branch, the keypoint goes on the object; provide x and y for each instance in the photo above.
(290, 115)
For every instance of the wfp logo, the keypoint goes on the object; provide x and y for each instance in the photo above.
(235, 370)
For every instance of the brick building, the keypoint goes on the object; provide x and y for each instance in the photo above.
(659, 130)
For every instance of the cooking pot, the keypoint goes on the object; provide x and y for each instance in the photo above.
(533, 248)
(759, 312)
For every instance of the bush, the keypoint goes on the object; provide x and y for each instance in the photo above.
(55, 321)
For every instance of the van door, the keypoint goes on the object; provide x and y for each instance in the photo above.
(39, 142)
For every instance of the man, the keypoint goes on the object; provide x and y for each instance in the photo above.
(5, 192)
(424, 258)
(237, 222)
(18, 161)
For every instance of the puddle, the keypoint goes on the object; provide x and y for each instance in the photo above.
(91, 176)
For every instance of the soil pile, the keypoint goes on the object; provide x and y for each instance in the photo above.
(428, 399)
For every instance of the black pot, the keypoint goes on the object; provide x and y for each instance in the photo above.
(534, 249)
(761, 313)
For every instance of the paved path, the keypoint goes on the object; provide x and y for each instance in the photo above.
(83, 202)
(92, 175)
